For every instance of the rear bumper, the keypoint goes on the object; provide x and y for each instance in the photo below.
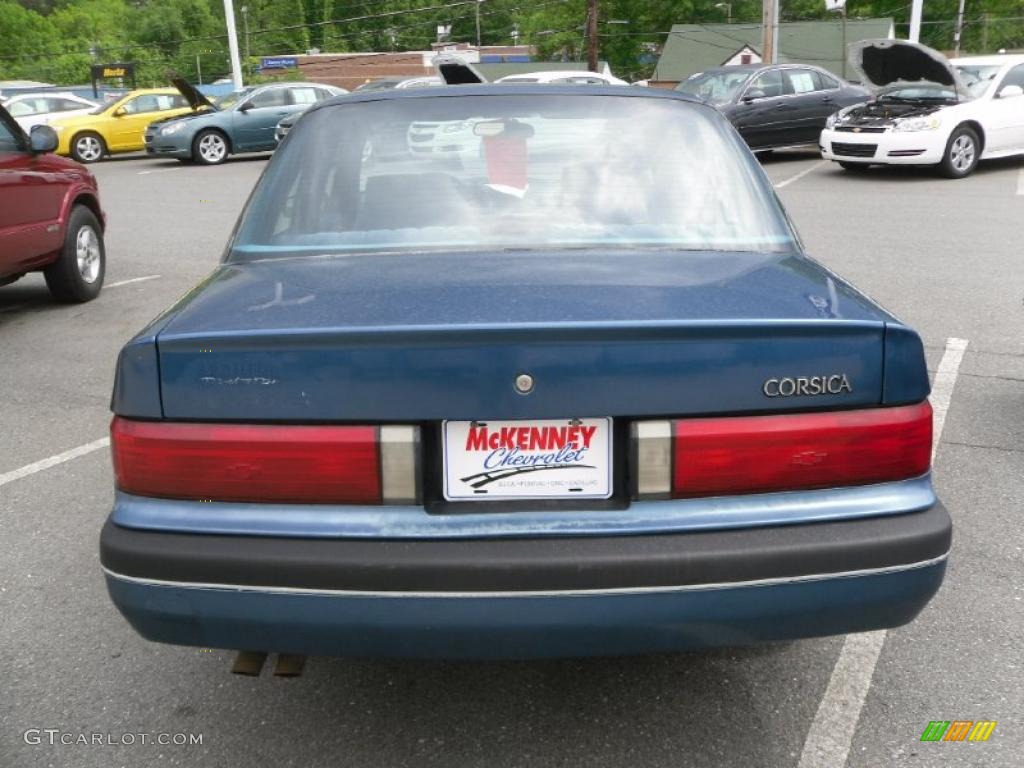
(518, 598)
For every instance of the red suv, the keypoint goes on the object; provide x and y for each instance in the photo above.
(50, 216)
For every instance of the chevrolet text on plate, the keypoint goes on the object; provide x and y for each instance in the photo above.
(511, 371)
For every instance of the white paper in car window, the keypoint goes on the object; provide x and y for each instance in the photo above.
(802, 82)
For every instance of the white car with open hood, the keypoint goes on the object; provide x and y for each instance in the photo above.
(929, 110)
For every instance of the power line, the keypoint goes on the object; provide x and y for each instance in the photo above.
(292, 27)
(339, 35)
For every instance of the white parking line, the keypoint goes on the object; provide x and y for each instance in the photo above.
(1020, 182)
(800, 175)
(831, 733)
(942, 387)
(131, 280)
(52, 461)
(160, 170)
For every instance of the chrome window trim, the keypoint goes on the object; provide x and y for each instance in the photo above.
(753, 583)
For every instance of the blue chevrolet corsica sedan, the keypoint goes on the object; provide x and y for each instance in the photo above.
(519, 371)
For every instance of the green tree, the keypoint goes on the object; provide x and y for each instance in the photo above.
(57, 40)
(25, 33)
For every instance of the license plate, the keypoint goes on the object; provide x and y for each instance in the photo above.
(535, 459)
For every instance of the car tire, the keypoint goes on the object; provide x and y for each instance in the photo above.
(962, 151)
(855, 167)
(88, 147)
(762, 154)
(77, 274)
(210, 147)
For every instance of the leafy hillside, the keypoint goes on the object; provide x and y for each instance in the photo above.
(57, 40)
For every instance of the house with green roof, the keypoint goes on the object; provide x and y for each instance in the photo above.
(692, 48)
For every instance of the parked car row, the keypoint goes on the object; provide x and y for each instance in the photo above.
(924, 110)
(50, 215)
(182, 123)
(242, 121)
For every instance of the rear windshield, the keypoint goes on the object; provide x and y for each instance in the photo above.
(511, 172)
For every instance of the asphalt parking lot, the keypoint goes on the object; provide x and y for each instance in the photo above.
(945, 256)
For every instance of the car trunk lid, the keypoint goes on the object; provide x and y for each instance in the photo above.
(417, 337)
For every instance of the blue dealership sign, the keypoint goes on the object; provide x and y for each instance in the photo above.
(279, 62)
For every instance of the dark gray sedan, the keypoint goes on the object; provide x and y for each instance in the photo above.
(776, 105)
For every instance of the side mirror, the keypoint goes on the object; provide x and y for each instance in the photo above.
(752, 95)
(1011, 91)
(42, 139)
(245, 106)
(120, 112)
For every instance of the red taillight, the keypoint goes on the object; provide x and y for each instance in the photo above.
(761, 454)
(262, 463)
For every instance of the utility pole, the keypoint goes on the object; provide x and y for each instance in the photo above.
(958, 34)
(839, 6)
(245, 31)
(775, 32)
(199, 69)
(592, 35)
(915, 21)
(236, 67)
(769, 31)
(478, 3)
(843, 11)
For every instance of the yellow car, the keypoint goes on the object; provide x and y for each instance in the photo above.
(118, 126)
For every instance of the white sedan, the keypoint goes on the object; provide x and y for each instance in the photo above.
(929, 110)
(563, 77)
(31, 109)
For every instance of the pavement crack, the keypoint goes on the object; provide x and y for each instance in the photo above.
(986, 447)
(995, 353)
(992, 376)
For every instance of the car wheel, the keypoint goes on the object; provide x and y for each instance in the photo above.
(853, 166)
(962, 152)
(88, 147)
(210, 147)
(77, 274)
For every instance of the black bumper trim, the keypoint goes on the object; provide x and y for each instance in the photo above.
(529, 565)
